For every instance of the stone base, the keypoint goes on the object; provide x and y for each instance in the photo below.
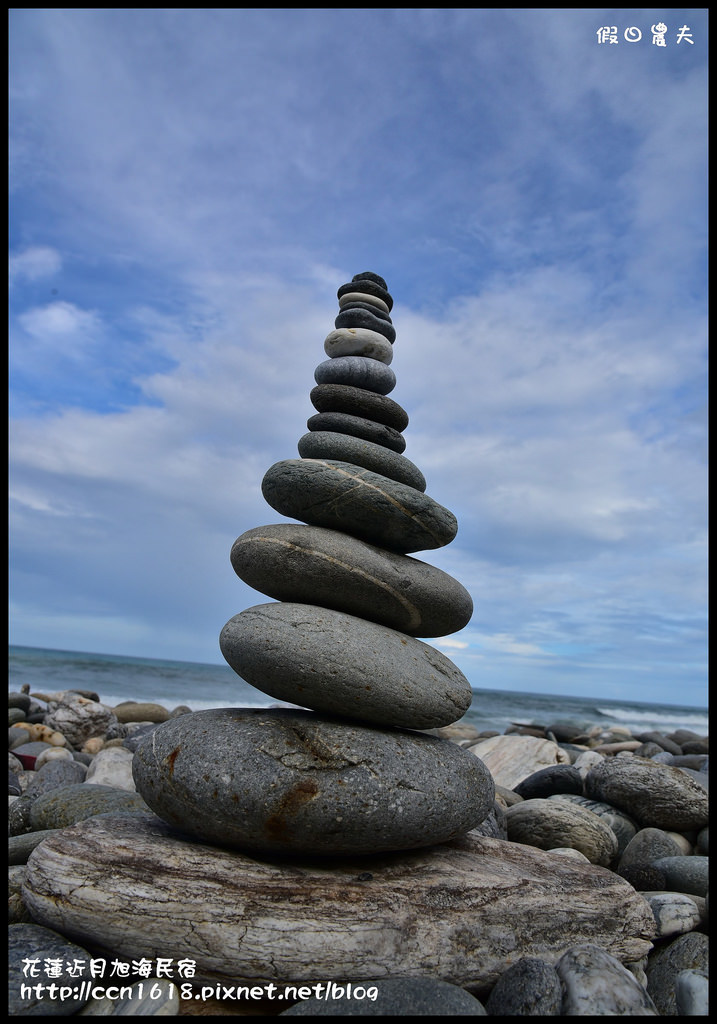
(462, 912)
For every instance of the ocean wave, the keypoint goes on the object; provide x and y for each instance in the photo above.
(695, 719)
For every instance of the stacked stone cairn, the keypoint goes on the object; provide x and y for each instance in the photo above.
(346, 769)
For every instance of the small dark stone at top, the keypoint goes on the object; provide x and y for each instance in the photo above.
(368, 275)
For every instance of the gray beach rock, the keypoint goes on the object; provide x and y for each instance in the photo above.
(368, 284)
(357, 341)
(326, 444)
(79, 719)
(688, 952)
(311, 564)
(596, 984)
(644, 848)
(653, 794)
(21, 701)
(342, 665)
(359, 402)
(685, 874)
(354, 317)
(548, 823)
(20, 847)
(556, 778)
(69, 804)
(112, 766)
(622, 825)
(370, 300)
(358, 426)
(395, 997)
(462, 911)
(358, 372)
(674, 912)
(37, 943)
(16, 909)
(354, 500)
(140, 711)
(294, 782)
(530, 988)
(513, 758)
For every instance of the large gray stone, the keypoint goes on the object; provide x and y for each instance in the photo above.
(358, 426)
(343, 665)
(292, 562)
(357, 371)
(356, 501)
(653, 794)
(279, 781)
(685, 874)
(460, 912)
(327, 444)
(359, 402)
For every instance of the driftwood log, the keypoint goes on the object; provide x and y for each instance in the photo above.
(462, 912)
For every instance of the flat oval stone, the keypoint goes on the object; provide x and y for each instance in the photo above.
(357, 426)
(327, 444)
(69, 804)
(356, 501)
(357, 371)
(369, 275)
(685, 874)
(311, 564)
(357, 341)
(556, 778)
(356, 317)
(359, 402)
(367, 287)
(369, 300)
(360, 303)
(653, 794)
(285, 781)
(342, 665)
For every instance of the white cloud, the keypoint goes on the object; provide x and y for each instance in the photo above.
(33, 263)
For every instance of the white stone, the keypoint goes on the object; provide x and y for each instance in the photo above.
(112, 766)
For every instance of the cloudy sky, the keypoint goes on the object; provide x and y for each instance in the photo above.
(189, 188)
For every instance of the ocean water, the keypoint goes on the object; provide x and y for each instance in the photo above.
(198, 686)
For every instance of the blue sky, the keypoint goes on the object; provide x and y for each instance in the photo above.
(189, 188)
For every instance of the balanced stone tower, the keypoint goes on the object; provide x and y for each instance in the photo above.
(351, 774)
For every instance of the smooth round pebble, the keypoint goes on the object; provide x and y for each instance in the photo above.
(328, 445)
(69, 804)
(356, 317)
(358, 372)
(370, 300)
(357, 341)
(674, 912)
(343, 665)
(356, 501)
(359, 402)
(546, 824)
(692, 991)
(556, 778)
(313, 565)
(685, 874)
(656, 795)
(112, 767)
(358, 426)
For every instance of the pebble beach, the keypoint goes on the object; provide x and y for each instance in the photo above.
(583, 811)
